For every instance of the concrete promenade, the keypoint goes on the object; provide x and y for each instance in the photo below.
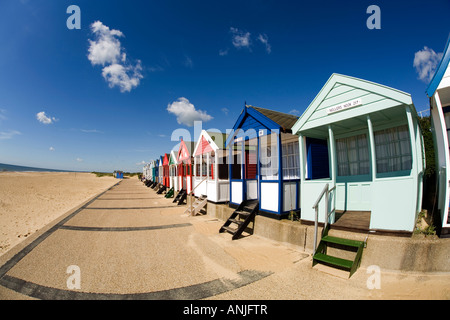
(131, 243)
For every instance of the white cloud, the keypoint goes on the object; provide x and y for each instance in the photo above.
(51, 149)
(265, 40)
(126, 78)
(91, 131)
(186, 113)
(106, 50)
(79, 160)
(225, 110)
(5, 135)
(223, 52)
(43, 118)
(426, 62)
(141, 163)
(240, 39)
(295, 112)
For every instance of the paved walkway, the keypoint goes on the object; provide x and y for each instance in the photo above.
(126, 243)
(131, 243)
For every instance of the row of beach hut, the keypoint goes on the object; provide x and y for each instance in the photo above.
(358, 142)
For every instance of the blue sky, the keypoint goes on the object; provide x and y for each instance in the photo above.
(111, 94)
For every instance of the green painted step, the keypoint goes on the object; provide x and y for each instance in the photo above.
(170, 193)
(334, 260)
(345, 242)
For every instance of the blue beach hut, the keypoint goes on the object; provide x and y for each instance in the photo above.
(156, 170)
(118, 174)
(263, 161)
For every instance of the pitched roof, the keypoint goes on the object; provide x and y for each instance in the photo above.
(378, 98)
(189, 147)
(284, 120)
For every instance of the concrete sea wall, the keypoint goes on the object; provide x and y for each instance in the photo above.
(387, 252)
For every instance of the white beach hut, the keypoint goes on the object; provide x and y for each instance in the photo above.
(438, 92)
(210, 167)
(173, 170)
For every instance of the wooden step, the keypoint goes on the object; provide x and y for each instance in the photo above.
(344, 242)
(239, 222)
(343, 263)
(243, 213)
(229, 229)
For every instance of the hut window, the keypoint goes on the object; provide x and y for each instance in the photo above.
(204, 165)
(353, 156)
(251, 149)
(269, 157)
(223, 165)
(197, 166)
(291, 160)
(236, 161)
(393, 149)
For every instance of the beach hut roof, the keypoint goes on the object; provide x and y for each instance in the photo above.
(253, 119)
(440, 71)
(173, 157)
(210, 141)
(166, 159)
(364, 97)
(185, 151)
(284, 120)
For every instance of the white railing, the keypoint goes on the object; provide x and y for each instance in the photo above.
(325, 192)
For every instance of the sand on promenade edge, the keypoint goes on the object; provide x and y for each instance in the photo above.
(31, 200)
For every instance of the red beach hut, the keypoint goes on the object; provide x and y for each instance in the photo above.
(185, 161)
(166, 177)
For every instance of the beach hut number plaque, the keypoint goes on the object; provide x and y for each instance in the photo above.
(343, 106)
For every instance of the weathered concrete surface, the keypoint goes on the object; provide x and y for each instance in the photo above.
(387, 252)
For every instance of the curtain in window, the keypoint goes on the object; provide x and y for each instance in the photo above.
(269, 157)
(393, 149)
(291, 160)
(353, 156)
(204, 165)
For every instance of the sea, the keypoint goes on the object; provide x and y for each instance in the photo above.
(11, 167)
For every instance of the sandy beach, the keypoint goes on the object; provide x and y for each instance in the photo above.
(31, 200)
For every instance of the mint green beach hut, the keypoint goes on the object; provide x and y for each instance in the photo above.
(360, 144)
